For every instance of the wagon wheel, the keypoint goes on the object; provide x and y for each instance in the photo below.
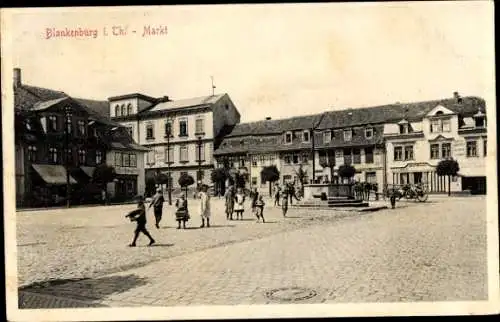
(422, 196)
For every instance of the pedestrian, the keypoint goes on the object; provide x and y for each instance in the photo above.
(204, 206)
(182, 212)
(255, 197)
(284, 204)
(139, 216)
(259, 205)
(229, 196)
(103, 196)
(157, 204)
(277, 191)
(239, 201)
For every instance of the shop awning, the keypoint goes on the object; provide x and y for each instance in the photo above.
(88, 171)
(53, 174)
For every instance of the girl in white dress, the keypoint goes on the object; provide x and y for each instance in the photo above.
(238, 205)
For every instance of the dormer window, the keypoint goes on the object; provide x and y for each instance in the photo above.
(348, 135)
(288, 137)
(369, 133)
(480, 119)
(305, 136)
(327, 136)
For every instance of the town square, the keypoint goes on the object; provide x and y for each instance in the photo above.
(330, 162)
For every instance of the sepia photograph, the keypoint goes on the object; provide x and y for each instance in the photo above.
(250, 161)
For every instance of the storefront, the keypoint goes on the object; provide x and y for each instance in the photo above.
(49, 185)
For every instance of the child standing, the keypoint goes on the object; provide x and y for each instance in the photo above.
(139, 215)
(239, 200)
(204, 206)
(182, 213)
(259, 206)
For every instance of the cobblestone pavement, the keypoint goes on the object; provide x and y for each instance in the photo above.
(419, 252)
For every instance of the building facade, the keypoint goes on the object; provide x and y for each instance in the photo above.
(390, 144)
(180, 134)
(59, 142)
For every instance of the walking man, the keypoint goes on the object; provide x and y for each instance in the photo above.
(277, 190)
(157, 204)
(139, 216)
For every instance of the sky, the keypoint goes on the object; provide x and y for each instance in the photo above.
(273, 60)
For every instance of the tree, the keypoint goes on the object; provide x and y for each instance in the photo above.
(185, 180)
(270, 174)
(301, 175)
(448, 168)
(219, 177)
(346, 171)
(103, 174)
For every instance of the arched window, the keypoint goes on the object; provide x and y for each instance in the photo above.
(129, 109)
(123, 110)
(117, 110)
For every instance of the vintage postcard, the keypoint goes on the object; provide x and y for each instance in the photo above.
(250, 161)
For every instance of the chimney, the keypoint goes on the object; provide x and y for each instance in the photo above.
(17, 77)
(268, 118)
(163, 99)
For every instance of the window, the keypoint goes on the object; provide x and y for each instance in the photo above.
(151, 157)
(149, 132)
(118, 159)
(133, 160)
(69, 124)
(371, 177)
(130, 131)
(305, 158)
(69, 155)
(82, 156)
(32, 153)
(168, 129)
(254, 181)
(485, 148)
(288, 137)
(81, 128)
(446, 125)
(124, 111)
(347, 135)
(479, 121)
(403, 128)
(169, 155)
(436, 126)
(129, 109)
(446, 150)
(117, 110)
(98, 157)
(356, 154)
(28, 124)
(295, 159)
(305, 136)
(327, 136)
(409, 152)
(369, 133)
(471, 148)
(254, 163)
(53, 157)
(287, 159)
(200, 153)
(183, 153)
(183, 128)
(200, 128)
(434, 151)
(53, 123)
(398, 153)
(368, 155)
(241, 163)
(125, 160)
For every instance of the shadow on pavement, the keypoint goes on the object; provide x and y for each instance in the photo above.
(161, 245)
(221, 226)
(71, 293)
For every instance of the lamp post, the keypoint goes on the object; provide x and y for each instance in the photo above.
(169, 181)
(313, 146)
(199, 163)
(67, 131)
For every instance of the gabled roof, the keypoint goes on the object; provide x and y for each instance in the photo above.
(25, 96)
(99, 107)
(183, 103)
(133, 95)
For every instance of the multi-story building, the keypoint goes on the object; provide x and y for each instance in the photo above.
(180, 134)
(390, 144)
(59, 138)
(433, 131)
